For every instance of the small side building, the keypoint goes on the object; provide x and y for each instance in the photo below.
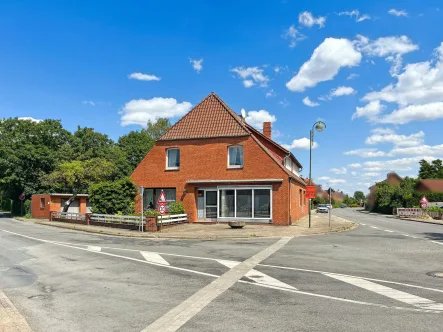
(43, 204)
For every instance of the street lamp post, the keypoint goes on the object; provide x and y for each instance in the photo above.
(318, 126)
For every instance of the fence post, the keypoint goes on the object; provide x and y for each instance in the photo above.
(88, 218)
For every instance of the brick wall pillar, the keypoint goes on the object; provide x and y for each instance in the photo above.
(151, 224)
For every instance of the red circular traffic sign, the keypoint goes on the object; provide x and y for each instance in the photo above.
(21, 197)
(162, 209)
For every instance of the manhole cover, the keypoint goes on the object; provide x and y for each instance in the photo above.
(438, 274)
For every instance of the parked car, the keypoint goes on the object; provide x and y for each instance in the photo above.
(343, 206)
(322, 208)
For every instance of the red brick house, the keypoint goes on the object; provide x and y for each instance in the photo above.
(223, 169)
(430, 185)
(391, 177)
(43, 204)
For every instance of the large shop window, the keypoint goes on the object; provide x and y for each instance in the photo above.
(235, 156)
(173, 159)
(247, 203)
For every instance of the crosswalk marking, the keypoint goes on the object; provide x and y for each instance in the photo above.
(387, 230)
(94, 248)
(389, 292)
(154, 257)
(257, 276)
(437, 242)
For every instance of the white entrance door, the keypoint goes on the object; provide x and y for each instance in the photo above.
(211, 204)
(201, 204)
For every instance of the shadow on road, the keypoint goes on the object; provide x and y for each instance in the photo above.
(434, 236)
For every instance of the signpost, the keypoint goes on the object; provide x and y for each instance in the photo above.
(424, 202)
(141, 190)
(21, 198)
(311, 191)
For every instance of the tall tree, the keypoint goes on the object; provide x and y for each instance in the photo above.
(431, 170)
(359, 195)
(29, 150)
(135, 144)
(158, 128)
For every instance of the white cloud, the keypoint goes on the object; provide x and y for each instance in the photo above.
(341, 170)
(373, 169)
(421, 150)
(323, 178)
(284, 103)
(336, 181)
(302, 143)
(355, 165)
(256, 118)
(294, 36)
(248, 83)
(391, 48)
(271, 93)
(383, 131)
(307, 19)
(143, 77)
(28, 118)
(370, 110)
(355, 13)
(140, 111)
(398, 140)
(353, 173)
(251, 75)
(196, 64)
(88, 102)
(366, 153)
(370, 175)
(310, 103)
(396, 12)
(324, 64)
(402, 164)
(352, 76)
(426, 112)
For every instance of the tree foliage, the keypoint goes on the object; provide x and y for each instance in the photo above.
(359, 195)
(158, 128)
(431, 170)
(136, 144)
(113, 197)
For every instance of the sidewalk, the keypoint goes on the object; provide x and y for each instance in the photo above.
(10, 318)
(219, 231)
(427, 221)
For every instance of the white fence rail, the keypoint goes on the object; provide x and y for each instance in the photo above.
(116, 219)
(409, 212)
(69, 215)
(173, 218)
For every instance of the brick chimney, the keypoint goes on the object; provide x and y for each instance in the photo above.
(267, 129)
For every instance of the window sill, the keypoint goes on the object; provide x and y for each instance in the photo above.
(235, 167)
(172, 169)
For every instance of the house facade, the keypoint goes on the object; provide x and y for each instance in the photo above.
(391, 177)
(43, 204)
(223, 169)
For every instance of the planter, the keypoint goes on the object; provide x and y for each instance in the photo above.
(236, 224)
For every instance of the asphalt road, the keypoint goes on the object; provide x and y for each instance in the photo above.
(367, 279)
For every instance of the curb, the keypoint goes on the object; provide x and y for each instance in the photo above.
(398, 218)
(352, 225)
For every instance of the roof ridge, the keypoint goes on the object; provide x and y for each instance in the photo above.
(231, 112)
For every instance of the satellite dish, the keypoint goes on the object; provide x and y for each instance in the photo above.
(243, 113)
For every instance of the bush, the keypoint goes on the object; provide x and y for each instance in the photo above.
(435, 209)
(176, 208)
(116, 197)
(27, 207)
(5, 205)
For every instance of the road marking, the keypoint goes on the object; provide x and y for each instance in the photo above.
(437, 242)
(257, 276)
(363, 224)
(389, 292)
(178, 316)
(154, 257)
(387, 230)
(94, 248)
(374, 227)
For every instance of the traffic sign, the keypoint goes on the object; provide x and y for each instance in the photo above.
(21, 197)
(162, 209)
(162, 198)
(424, 202)
(311, 192)
(141, 190)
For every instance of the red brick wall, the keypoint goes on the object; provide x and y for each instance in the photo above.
(36, 210)
(299, 204)
(207, 160)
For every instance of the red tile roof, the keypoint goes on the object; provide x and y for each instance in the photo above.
(209, 118)
(432, 185)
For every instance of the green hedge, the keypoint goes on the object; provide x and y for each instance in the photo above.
(117, 197)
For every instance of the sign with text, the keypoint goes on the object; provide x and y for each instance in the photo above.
(311, 191)
(409, 212)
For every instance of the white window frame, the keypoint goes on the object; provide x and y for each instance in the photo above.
(288, 164)
(235, 201)
(243, 156)
(167, 156)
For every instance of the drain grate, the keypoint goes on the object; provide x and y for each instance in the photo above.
(437, 274)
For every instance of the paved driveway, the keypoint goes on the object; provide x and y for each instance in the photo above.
(367, 279)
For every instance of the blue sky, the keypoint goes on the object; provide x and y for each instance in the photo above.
(375, 69)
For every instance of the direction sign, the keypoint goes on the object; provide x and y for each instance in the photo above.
(311, 192)
(162, 209)
(21, 197)
(162, 198)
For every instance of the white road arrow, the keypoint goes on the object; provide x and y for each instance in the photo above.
(257, 276)
(154, 257)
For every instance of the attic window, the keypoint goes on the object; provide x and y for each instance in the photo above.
(235, 156)
(173, 159)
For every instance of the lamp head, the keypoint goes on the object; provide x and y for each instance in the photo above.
(320, 126)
